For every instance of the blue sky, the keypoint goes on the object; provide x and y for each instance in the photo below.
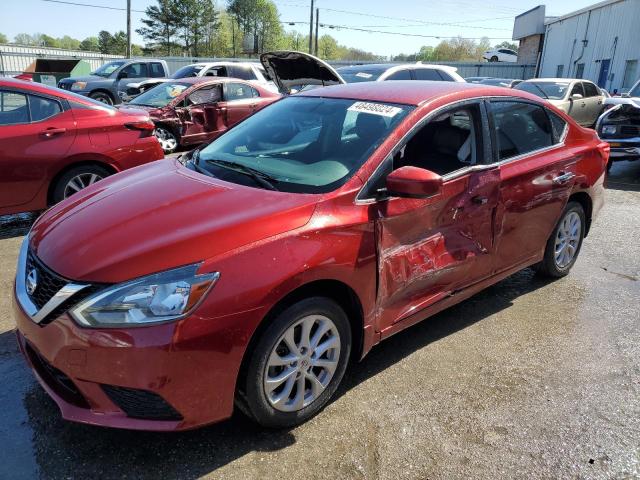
(472, 18)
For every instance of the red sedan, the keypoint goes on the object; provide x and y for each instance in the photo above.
(190, 111)
(54, 143)
(251, 273)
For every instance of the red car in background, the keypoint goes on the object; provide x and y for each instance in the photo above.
(251, 272)
(190, 111)
(54, 143)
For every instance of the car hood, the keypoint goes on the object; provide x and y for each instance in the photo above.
(156, 217)
(633, 101)
(293, 70)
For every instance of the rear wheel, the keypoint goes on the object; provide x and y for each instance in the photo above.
(168, 140)
(297, 364)
(102, 97)
(494, 59)
(564, 243)
(77, 179)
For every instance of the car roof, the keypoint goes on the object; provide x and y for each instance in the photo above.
(388, 66)
(197, 80)
(412, 92)
(556, 80)
(31, 86)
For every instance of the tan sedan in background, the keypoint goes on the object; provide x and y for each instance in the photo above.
(580, 99)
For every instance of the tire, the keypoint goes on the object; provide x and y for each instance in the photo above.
(556, 265)
(494, 59)
(259, 393)
(102, 97)
(77, 179)
(167, 139)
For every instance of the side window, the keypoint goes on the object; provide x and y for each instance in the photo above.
(216, 72)
(590, 90)
(427, 74)
(242, 72)
(239, 91)
(400, 75)
(205, 95)
(43, 108)
(520, 128)
(14, 108)
(577, 89)
(559, 126)
(136, 70)
(449, 142)
(156, 70)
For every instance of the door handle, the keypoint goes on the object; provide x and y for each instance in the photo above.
(50, 132)
(479, 200)
(563, 178)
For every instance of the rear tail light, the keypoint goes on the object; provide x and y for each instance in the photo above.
(146, 127)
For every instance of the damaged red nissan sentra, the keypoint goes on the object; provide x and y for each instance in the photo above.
(250, 274)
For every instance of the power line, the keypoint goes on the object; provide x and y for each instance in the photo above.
(77, 4)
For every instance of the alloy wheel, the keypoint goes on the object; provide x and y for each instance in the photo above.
(567, 239)
(302, 363)
(79, 182)
(168, 140)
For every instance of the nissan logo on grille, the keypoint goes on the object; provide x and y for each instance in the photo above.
(32, 281)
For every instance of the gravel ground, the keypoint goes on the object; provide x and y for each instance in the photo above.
(528, 379)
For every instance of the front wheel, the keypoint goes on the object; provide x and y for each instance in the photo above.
(494, 59)
(168, 140)
(102, 97)
(297, 364)
(564, 243)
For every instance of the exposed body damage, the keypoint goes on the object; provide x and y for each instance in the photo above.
(620, 126)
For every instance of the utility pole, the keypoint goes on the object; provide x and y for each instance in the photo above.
(311, 30)
(128, 28)
(317, 18)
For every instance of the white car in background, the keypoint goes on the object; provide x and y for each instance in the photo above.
(381, 72)
(500, 55)
(251, 71)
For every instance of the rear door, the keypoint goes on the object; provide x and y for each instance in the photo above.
(36, 132)
(200, 114)
(578, 106)
(241, 101)
(537, 174)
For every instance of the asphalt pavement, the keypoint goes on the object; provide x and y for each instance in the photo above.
(529, 379)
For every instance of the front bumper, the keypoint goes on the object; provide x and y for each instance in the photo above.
(624, 148)
(167, 377)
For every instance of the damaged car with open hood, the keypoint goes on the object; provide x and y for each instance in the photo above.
(251, 272)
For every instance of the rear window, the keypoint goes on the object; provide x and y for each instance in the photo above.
(427, 74)
(156, 70)
(520, 128)
(361, 74)
(188, 71)
(42, 108)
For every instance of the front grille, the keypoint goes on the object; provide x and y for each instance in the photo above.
(629, 131)
(49, 283)
(55, 379)
(141, 404)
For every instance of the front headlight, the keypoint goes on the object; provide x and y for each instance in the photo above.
(152, 299)
(609, 129)
(78, 85)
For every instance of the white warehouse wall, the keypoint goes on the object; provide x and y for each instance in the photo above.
(606, 21)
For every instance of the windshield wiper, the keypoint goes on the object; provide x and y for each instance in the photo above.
(261, 178)
(541, 91)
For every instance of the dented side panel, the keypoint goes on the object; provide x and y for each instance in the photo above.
(432, 247)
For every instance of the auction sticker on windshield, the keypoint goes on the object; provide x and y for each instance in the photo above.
(375, 109)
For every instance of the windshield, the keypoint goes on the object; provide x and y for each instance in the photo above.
(360, 74)
(160, 95)
(635, 91)
(188, 71)
(108, 68)
(549, 90)
(303, 144)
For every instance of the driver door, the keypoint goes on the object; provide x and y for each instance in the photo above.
(428, 249)
(202, 115)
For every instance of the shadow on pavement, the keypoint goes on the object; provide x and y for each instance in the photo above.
(54, 448)
(625, 176)
(16, 225)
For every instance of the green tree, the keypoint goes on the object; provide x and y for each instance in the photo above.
(328, 47)
(258, 17)
(3, 38)
(24, 39)
(509, 45)
(161, 24)
(105, 39)
(90, 44)
(48, 41)
(68, 43)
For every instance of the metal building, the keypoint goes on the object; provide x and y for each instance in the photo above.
(600, 43)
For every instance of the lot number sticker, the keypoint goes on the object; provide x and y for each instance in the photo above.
(375, 109)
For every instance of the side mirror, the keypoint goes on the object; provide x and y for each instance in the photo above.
(413, 182)
(576, 96)
(122, 74)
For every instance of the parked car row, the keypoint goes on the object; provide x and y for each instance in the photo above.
(250, 272)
